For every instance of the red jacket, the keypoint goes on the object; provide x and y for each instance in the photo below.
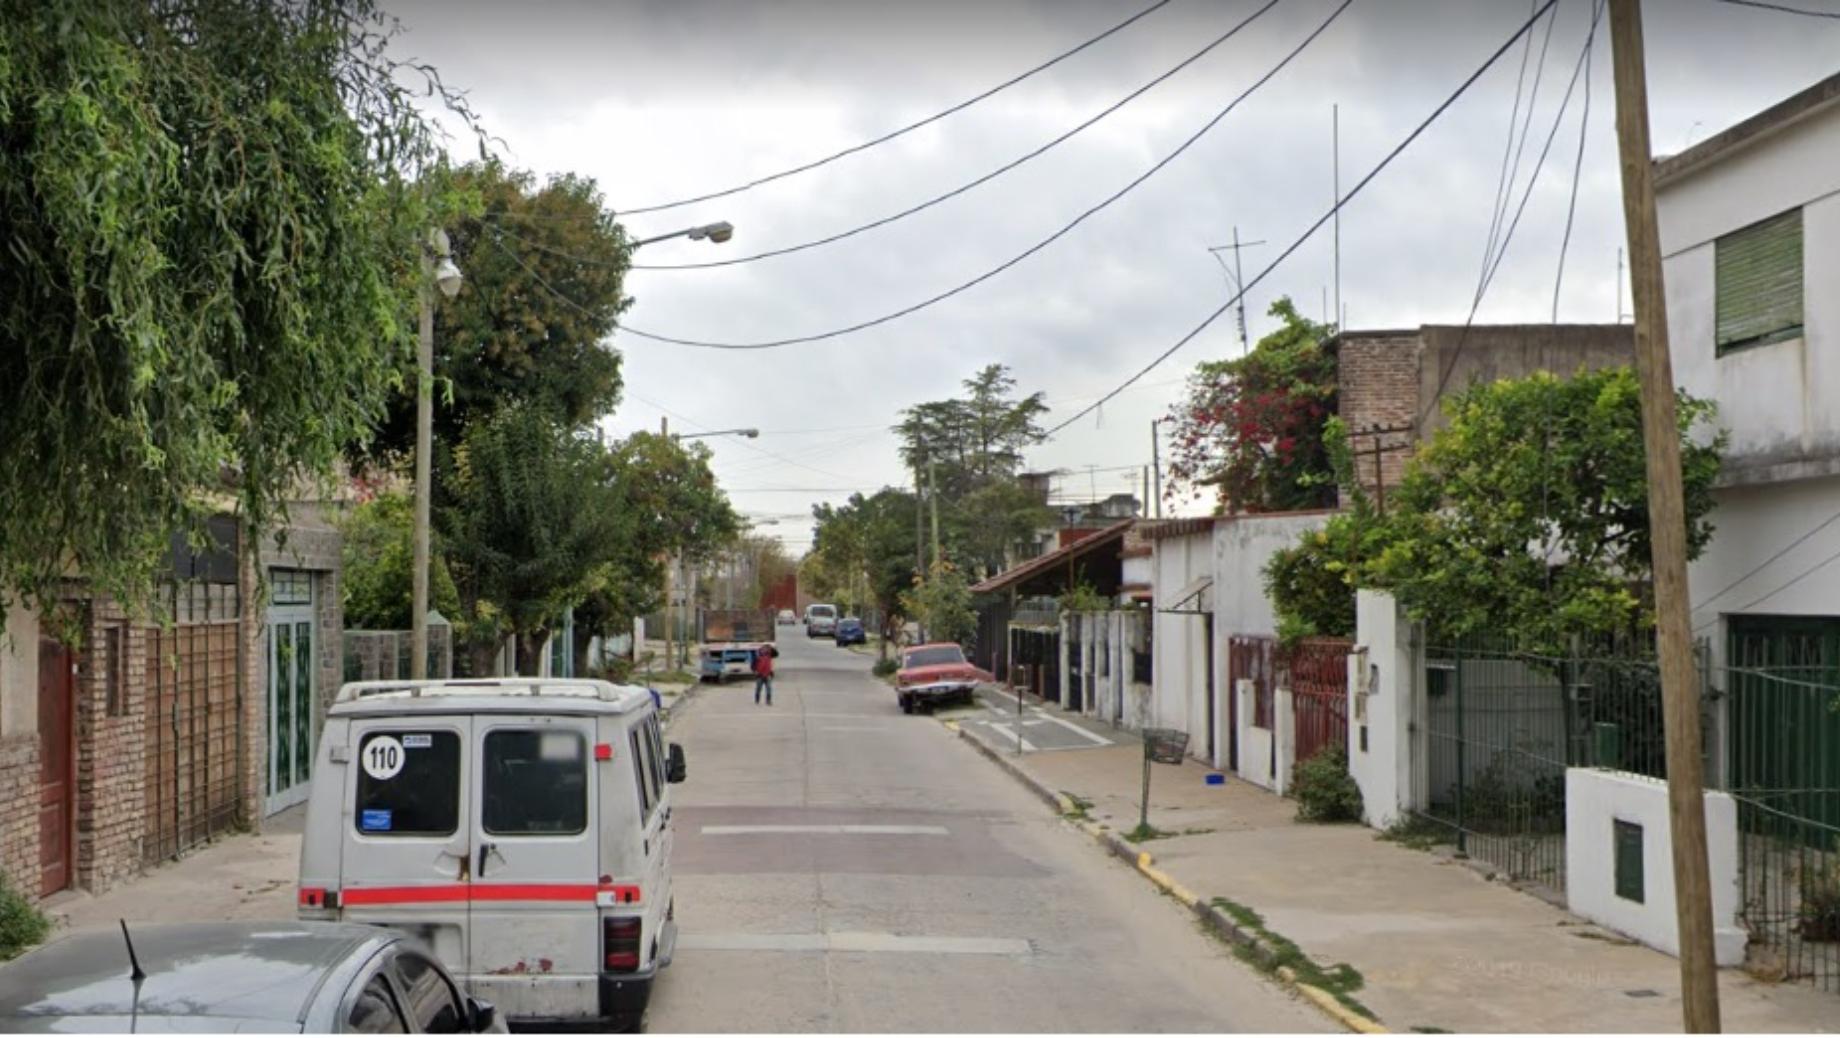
(763, 663)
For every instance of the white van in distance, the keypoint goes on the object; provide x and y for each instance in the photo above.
(518, 826)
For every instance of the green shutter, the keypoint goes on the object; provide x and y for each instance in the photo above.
(1628, 851)
(1759, 283)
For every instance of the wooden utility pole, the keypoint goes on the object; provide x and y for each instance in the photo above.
(664, 614)
(932, 493)
(1667, 522)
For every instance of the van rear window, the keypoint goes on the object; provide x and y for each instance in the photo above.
(408, 784)
(536, 782)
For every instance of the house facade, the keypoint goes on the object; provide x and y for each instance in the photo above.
(1750, 240)
(128, 737)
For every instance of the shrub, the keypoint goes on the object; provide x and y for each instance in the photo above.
(21, 925)
(883, 668)
(1324, 790)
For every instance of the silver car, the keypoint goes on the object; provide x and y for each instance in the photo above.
(313, 978)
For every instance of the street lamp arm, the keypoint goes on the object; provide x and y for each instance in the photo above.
(716, 232)
(749, 433)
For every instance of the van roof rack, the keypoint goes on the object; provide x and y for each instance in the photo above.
(571, 688)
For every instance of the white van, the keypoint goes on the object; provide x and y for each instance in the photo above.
(820, 620)
(519, 826)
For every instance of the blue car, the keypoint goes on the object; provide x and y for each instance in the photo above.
(850, 632)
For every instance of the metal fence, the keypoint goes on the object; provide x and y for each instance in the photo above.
(1317, 675)
(1783, 762)
(384, 655)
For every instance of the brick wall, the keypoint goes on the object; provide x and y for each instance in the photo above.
(19, 811)
(111, 747)
(1378, 387)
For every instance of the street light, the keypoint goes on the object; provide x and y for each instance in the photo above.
(718, 232)
(439, 271)
(751, 434)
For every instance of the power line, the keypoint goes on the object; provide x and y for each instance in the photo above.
(1456, 354)
(742, 443)
(1025, 254)
(1784, 8)
(1505, 189)
(909, 128)
(986, 178)
(1571, 205)
(1313, 228)
(1765, 564)
(1779, 589)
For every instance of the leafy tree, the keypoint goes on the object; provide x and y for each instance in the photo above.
(214, 211)
(545, 267)
(872, 536)
(530, 517)
(1526, 515)
(1252, 426)
(942, 604)
(972, 441)
(985, 525)
(379, 569)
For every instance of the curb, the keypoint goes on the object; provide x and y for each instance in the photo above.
(1210, 916)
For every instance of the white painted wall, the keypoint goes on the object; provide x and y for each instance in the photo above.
(1594, 800)
(1384, 703)
(19, 673)
(1178, 671)
(1776, 400)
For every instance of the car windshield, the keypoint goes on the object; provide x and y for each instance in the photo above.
(822, 612)
(935, 657)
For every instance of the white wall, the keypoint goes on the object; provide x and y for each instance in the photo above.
(1384, 702)
(1775, 399)
(1752, 523)
(1178, 672)
(1594, 801)
(19, 673)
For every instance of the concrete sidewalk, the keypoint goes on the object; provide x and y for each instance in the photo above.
(1439, 945)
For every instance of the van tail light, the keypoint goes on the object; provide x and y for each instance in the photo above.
(621, 943)
(318, 903)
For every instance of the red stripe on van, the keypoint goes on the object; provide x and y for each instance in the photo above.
(448, 892)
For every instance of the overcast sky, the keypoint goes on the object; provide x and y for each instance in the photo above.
(658, 101)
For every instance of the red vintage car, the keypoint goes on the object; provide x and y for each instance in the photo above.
(936, 673)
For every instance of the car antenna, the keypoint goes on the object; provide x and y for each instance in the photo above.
(133, 960)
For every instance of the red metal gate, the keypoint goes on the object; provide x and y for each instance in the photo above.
(1318, 669)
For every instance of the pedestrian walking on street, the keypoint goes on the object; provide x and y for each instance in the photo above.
(763, 674)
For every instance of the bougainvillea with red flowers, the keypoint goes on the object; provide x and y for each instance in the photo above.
(1250, 428)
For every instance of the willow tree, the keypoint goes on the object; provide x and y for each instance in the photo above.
(213, 211)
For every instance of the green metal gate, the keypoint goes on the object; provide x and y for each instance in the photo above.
(1783, 753)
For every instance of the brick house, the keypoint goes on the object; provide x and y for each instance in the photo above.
(1213, 623)
(146, 739)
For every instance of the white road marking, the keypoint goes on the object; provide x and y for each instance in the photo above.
(1101, 740)
(854, 942)
(1010, 734)
(827, 830)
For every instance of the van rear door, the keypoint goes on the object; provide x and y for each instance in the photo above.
(536, 866)
(406, 860)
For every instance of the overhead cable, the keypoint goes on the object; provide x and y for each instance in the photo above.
(892, 134)
(1031, 250)
(968, 186)
(1313, 228)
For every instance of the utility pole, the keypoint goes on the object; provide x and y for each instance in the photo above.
(932, 493)
(1667, 529)
(919, 523)
(1156, 464)
(670, 653)
(424, 484)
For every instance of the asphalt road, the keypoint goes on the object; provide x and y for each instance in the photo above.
(842, 867)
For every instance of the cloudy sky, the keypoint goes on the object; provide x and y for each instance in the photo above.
(659, 101)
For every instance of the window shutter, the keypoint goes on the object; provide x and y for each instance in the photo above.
(1758, 273)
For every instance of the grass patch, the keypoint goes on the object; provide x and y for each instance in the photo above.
(1415, 832)
(1146, 831)
(1340, 980)
(1082, 807)
(21, 925)
(1428, 1029)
